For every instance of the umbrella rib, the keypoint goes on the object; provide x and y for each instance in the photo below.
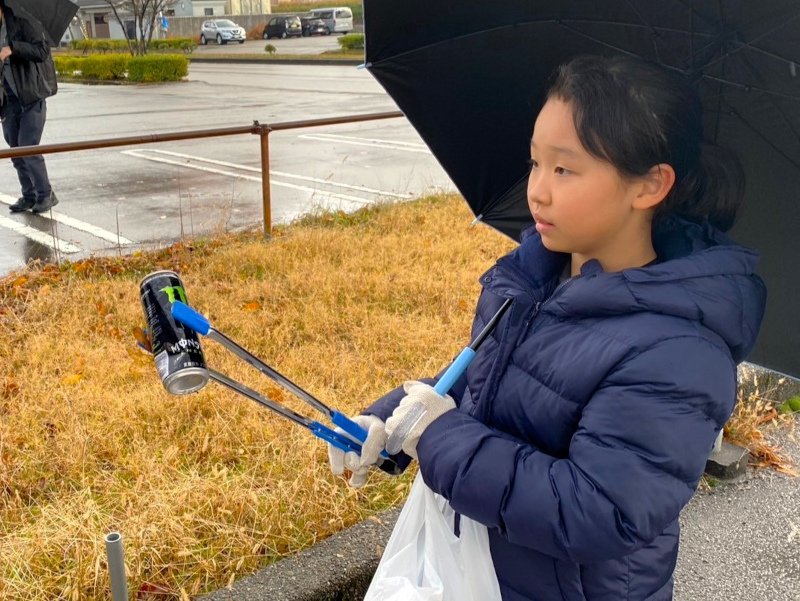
(756, 131)
(594, 39)
(560, 22)
(768, 53)
(771, 98)
(656, 28)
(485, 216)
(649, 26)
(749, 44)
(750, 88)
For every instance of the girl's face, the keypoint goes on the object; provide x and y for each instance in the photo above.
(581, 204)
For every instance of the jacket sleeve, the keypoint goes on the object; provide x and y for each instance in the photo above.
(634, 461)
(28, 43)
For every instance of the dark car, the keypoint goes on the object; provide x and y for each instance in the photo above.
(283, 27)
(314, 25)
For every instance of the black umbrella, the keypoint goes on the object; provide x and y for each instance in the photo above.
(53, 16)
(470, 76)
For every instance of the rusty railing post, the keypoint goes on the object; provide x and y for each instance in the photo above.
(263, 132)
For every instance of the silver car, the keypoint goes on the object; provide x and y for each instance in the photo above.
(223, 31)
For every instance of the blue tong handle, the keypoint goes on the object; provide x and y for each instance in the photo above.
(331, 436)
(352, 428)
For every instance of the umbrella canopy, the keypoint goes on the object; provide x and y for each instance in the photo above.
(53, 16)
(471, 77)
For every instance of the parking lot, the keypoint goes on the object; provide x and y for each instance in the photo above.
(118, 200)
(302, 45)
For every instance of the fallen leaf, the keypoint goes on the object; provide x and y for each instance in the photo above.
(252, 306)
(143, 340)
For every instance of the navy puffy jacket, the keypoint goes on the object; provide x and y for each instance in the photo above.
(585, 420)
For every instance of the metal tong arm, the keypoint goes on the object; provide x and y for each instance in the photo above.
(198, 322)
(319, 430)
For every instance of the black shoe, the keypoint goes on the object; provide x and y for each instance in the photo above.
(45, 204)
(23, 204)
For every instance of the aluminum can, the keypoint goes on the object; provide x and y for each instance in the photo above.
(176, 348)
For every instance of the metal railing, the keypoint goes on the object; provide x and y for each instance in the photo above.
(260, 129)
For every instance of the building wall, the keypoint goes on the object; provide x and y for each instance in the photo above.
(249, 7)
(189, 27)
(99, 23)
(188, 15)
(180, 8)
(201, 8)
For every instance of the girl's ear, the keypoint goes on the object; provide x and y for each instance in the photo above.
(655, 185)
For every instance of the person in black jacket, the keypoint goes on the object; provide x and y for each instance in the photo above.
(29, 77)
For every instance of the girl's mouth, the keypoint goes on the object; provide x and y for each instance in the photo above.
(542, 225)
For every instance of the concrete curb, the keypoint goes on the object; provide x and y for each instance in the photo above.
(337, 569)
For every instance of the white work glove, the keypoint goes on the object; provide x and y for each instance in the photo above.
(370, 451)
(435, 406)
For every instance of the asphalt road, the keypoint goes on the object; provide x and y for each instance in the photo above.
(121, 199)
(741, 541)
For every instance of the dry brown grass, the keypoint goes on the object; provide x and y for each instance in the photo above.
(756, 413)
(209, 487)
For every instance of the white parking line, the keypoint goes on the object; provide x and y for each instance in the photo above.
(76, 224)
(42, 238)
(323, 193)
(404, 146)
(389, 143)
(280, 174)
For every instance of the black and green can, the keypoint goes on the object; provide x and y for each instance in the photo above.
(176, 348)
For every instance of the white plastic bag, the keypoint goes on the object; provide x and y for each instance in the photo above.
(425, 561)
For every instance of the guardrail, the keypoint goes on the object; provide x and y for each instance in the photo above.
(262, 130)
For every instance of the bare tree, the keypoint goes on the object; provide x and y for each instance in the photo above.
(146, 17)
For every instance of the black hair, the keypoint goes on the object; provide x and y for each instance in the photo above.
(635, 115)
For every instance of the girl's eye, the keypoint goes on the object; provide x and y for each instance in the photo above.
(562, 171)
(533, 163)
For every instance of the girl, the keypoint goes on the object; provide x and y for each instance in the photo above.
(583, 425)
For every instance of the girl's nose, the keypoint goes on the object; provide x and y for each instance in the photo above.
(538, 191)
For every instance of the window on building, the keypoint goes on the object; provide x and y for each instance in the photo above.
(209, 12)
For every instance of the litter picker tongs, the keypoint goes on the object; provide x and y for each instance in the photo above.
(190, 318)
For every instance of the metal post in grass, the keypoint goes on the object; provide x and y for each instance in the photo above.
(116, 566)
(266, 195)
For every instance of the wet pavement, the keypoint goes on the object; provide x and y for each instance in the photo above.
(120, 199)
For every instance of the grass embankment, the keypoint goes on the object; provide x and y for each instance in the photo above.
(209, 487)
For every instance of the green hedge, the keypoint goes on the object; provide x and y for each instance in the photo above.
(66, 66)
(103, 46)
(352, 41)
(160, 67)
(186, 44)
(166, 67)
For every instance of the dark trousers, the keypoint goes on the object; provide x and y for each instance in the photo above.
(23, 126)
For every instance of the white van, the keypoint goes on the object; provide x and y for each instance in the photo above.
(338, 19)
